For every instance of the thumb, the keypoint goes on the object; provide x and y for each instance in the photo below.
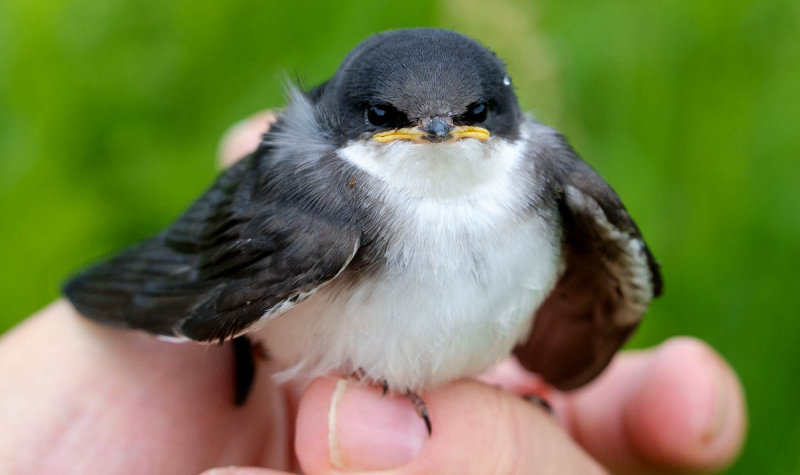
(344, 426)
(243, 137)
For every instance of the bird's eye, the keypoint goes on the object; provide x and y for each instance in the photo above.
(477, 113)
(381, 115)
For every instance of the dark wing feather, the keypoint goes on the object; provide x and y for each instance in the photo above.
(243, 250)
(609, 279)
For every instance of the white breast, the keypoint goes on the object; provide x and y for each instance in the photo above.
(466, 269)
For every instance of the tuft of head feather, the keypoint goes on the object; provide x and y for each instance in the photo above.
(302, 126)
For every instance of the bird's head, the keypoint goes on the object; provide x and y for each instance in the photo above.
(425, 86)
(427, 110)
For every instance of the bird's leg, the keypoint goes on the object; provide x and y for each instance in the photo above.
(537, 400)
(422, 410)
(244, 367)
(260, 351)
(384, 387)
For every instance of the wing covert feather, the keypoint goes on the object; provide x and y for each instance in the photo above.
(238, 253)
(609, 279)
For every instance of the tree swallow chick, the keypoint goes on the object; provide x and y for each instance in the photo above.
(403, 222)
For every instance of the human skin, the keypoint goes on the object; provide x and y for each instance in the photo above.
(78, 397)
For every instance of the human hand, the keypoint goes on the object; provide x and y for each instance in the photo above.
(83, 398)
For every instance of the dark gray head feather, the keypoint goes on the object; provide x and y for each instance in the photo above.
(422, 73)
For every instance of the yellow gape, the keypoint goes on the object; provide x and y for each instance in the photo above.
(415, 134)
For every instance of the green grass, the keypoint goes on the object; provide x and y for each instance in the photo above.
(110, 113)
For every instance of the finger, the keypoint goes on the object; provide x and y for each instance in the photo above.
(347, 427)
(76, 394)
(243, 137)
(243, 471)
(510, 376)
(676, 407)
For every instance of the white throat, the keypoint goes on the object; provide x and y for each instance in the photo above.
(452, 170)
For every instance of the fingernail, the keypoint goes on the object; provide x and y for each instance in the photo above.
(220, 471)
(720, 400)
(704, 393)
(368, 431)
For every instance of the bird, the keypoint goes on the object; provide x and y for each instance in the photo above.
(403, 223)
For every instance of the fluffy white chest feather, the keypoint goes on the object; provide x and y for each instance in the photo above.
(465, 268)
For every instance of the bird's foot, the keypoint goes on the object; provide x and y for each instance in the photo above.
(537, 400)
(422, 410)
(414, 398)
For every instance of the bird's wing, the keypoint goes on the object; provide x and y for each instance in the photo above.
(244, 250)
(609, 278)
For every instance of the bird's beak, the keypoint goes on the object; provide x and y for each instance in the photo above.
(435, 130)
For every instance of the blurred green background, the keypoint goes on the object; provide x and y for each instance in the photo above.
(111, 111)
